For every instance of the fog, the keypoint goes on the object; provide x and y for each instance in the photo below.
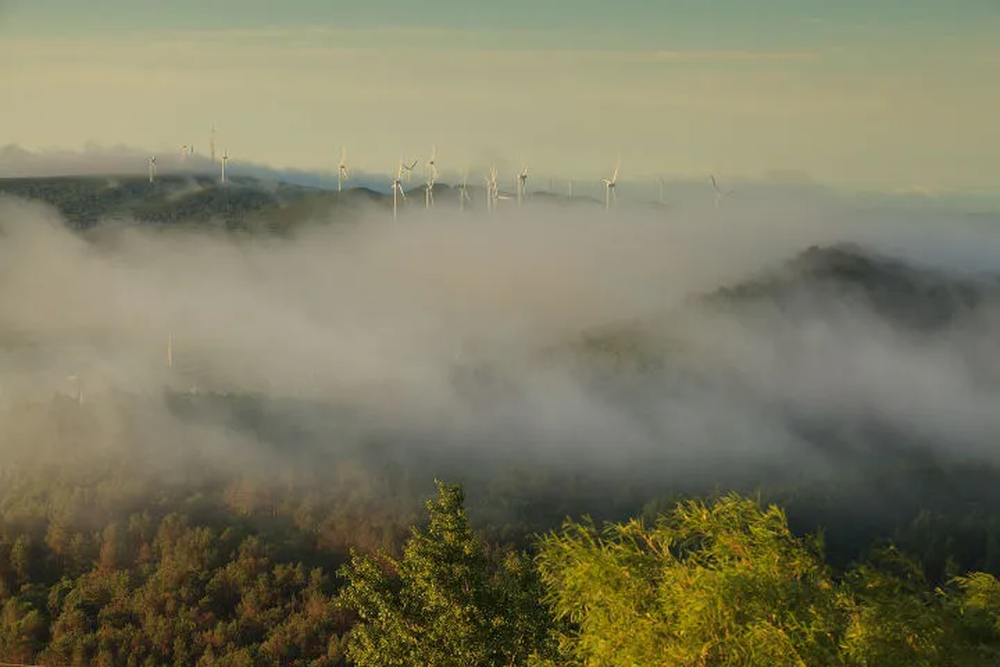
(457, 338)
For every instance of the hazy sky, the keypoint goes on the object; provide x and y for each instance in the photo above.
(894, 93)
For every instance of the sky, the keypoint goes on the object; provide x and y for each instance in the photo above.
(890, 94)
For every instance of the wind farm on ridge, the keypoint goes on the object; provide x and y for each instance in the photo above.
(400, 187)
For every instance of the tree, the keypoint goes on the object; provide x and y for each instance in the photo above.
(720, 584)
(21, 559)
(444, 603)
(727, 583)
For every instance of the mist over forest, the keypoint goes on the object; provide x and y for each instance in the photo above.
(297, 367)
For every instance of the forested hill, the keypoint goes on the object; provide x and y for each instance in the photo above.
(831, 282)
(903, 292)
(243, 203)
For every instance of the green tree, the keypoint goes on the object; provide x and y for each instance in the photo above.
(719, 584)
(727, 583)
(21, 559)
(444, 603)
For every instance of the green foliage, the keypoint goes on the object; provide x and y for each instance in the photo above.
(725, 584)
(728, 584)
(892, 618)
(443, 603)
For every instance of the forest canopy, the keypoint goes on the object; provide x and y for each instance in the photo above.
(719, 581)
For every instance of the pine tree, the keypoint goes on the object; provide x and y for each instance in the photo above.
(442, 604)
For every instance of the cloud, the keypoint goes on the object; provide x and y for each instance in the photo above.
(459, 337)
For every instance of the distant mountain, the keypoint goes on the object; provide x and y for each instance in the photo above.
(245, 203)
(194, 199)
(907, 294)
(818, 280)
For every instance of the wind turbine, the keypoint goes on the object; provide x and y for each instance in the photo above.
(571, 188)
(225, 159)
(463, 193)
(431, 177)
(408, 169)
(609, 187)
(432, 164)
(522, 184)
(488, 189)
(152, 168)
(212, 145)
(342, 173)
(397, 188)
(185, 151)
(429, 193)
(719, 194)
(492, 190)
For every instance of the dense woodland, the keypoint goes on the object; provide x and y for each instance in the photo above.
(122, 569)
(126, 556)
(125, 542)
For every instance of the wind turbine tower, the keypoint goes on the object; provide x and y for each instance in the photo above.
(522, 185)
(432, 171)
(152, 168)
(170, 350)
(609, 187)
(463, 193)
(492, 190)
(429, 193)
(212, 145)
(397, 188)
(225, 159)
(431, 178)
(342, 173)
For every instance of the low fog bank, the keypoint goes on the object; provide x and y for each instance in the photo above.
(543, 338)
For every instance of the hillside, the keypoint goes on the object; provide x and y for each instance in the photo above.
(906, 294)
(245, 203)
(171, 199)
